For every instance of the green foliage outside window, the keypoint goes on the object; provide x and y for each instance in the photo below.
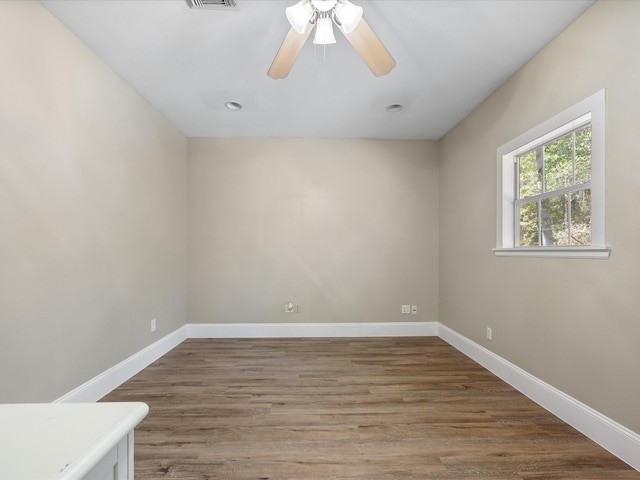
(565, 218)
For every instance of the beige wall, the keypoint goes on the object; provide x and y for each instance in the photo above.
(92, 212)
(572, 323)
(348, 229)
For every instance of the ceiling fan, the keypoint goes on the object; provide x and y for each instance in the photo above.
(306, 15)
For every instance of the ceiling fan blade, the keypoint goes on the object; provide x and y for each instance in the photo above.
(289, 50)
(371, 49)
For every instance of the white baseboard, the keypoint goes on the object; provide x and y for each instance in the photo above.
(102, 384)
(619, 440)
(299, 330)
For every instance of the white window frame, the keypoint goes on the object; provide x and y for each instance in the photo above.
(591, 109)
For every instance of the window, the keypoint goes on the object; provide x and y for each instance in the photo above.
(551, 186)
(553, 191)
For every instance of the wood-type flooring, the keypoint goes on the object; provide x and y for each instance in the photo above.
(366, 408)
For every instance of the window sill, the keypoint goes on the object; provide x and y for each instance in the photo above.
(555, 252)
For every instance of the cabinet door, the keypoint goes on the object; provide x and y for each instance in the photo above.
(115, 465)
(105, 469)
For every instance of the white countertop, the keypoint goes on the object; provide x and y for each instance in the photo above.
(61, 440)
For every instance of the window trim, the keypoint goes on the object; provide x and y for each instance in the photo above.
(566, 120)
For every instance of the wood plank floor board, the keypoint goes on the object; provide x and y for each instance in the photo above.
(372, 408)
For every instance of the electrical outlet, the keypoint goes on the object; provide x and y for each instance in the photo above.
(414, 309)
(288, 307)
(153, 324)
(489, 333)
(406, 309)
(296, 308)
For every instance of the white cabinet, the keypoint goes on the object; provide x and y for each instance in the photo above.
(91, 441)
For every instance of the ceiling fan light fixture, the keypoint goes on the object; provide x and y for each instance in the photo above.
(324, 31)
(299, 15)
(348, 15)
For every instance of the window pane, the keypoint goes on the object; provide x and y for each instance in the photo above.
(530, 171)
(529, 224)
(558, 163)
(553, 221)
(581, 217)
(583, 155)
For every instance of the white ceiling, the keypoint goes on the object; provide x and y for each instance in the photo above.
(450, 56)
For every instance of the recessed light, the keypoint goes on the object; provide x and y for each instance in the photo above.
(396, 107)
(233, 105)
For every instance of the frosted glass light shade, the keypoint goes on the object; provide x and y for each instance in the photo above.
(324, 32)
(299, 15)
(349, 15)
(324, 5)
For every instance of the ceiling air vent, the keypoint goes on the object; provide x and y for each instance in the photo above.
(212, 3)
